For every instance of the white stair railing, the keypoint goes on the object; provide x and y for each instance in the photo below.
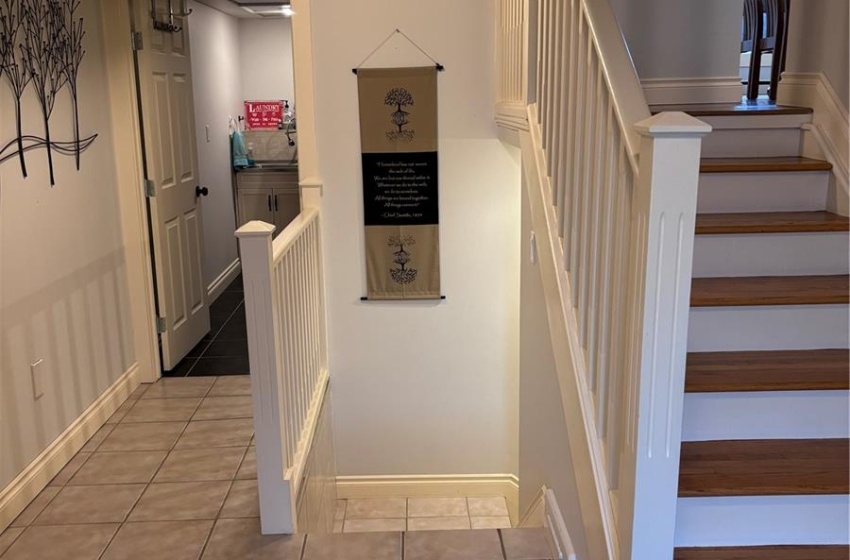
(287, 346)
(613, 197)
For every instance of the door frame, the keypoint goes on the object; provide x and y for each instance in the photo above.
(127, 142)
(126, 138)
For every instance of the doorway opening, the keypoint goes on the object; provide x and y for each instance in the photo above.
(215, 83)
(764, 41)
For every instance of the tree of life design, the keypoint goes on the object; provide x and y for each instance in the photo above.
(399, 98)
(402, 275)
(41, 51)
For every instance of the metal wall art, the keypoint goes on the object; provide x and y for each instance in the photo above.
(41, 50)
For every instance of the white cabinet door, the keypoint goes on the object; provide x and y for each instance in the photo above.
(287, 205)
(171, 162)
(256, 204)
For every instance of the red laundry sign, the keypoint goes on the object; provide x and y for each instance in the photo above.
(263, 114)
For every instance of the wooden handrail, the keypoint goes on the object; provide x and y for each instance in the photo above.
(624, 84)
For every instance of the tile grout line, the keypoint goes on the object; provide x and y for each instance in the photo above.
(11, 544)
(303, 547)
(215, 336)
(146, 485)
(502, 544)
(229, 489)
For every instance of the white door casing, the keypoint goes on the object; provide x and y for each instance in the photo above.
(171, 164)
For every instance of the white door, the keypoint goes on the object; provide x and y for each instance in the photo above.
(171, 161)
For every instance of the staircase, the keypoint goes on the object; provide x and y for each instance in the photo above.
(764, 458)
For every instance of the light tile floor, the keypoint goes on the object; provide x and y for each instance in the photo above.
(421, 514)
(172, 476)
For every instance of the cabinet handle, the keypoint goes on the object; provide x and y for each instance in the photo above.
(275, 203)
(270, 202)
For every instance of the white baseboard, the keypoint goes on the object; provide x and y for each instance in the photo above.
(829, 133)
(36, 476)
(535, 513)
(217, 287)
(684, 91)
(434, 486)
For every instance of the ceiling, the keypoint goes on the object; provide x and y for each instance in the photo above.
(231, 7)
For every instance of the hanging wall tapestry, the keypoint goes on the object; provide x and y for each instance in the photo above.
(398, 134)
(41, 50)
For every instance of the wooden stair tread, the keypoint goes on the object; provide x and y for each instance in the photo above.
(770, 290)
(762, 164)
(732, 109)
(773, 552)
(780, 370)
(764, 467)
(771, 222)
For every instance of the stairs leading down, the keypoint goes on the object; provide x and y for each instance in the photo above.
(764, 466)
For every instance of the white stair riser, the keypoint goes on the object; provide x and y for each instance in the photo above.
(757, 122)
(765, 415)
(762, 192)
(752, 143)
(771, 254)
(762, 520)
(715, 329)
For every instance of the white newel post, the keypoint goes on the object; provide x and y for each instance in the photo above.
(664, 213)
(265, 355)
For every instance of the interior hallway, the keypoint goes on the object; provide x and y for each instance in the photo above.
(224, 351)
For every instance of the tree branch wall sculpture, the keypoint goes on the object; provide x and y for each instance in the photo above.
(41, 50)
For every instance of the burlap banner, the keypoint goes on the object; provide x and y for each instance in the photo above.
(398, 133)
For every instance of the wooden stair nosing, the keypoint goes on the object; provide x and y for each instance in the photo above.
(732, 109)
(764, 467)
(771, 222)
(769, 552)
(762, 165)
(770, 290)
(780, 370)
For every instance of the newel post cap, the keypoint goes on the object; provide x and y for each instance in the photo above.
(672, 124)
(255, 228)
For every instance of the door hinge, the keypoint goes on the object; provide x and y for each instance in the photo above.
(161, 325)
(137, 40)
(150, 188)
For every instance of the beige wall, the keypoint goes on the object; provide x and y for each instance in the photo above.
(214, 38)
(818, 41)
(266, 55)
(544, 450)
(422, 387)
(63, 293)
(233, 60)
(676, 39)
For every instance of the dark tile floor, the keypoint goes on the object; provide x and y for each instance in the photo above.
(224, 351)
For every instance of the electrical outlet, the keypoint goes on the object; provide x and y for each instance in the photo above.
(37, 370)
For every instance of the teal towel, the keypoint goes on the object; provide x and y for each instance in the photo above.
(240, 154)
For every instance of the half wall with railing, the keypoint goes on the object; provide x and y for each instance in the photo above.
(287, 346)
(612, 192)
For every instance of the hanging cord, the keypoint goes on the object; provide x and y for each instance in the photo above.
(397, 31)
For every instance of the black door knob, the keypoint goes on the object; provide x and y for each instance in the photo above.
(201, 191)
